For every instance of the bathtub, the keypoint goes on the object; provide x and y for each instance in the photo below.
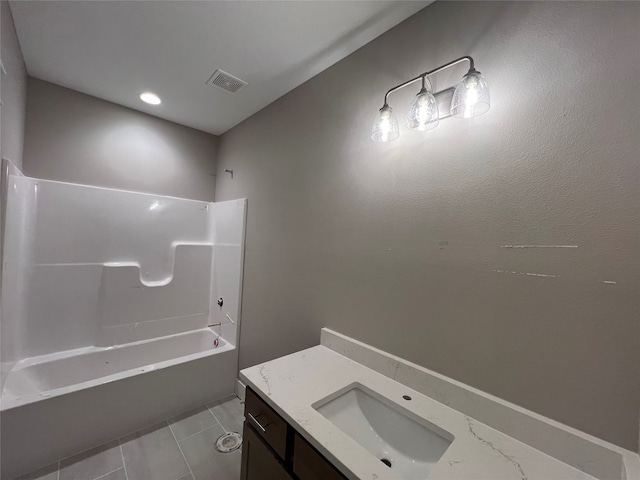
(60, 404)
(46, 376)
(104, 321)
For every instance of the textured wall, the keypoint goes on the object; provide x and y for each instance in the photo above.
(77, 138)
(13, 88)
(405, 245)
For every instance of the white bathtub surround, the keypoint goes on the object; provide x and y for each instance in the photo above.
(93, 266)
(7, 168)
(294, 384)
(110, 314)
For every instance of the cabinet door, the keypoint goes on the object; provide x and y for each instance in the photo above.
(308, 464)
(258, 461)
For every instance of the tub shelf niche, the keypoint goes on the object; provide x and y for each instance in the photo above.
(130, 309)
(160, 282)
(111, 304)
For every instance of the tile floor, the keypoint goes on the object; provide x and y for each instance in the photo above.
(180, 448)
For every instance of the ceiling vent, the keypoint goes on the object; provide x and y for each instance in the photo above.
(226, 81)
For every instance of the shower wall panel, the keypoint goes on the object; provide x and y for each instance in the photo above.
(88, 266)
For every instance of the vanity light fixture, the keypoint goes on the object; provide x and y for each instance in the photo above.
(150, 98)
(470, 99)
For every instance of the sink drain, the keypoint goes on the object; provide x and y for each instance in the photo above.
(386, 461)
(229, 442)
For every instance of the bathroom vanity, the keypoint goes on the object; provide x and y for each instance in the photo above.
(344, 409)
(272, 449)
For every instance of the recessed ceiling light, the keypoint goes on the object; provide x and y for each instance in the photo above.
(150, 98)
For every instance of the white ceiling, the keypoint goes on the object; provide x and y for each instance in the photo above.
(115, 50)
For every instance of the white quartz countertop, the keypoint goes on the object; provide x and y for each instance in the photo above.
(293, 383)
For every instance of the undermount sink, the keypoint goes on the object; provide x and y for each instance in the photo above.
(395, 436)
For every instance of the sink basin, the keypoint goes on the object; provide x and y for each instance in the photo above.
(407, 444)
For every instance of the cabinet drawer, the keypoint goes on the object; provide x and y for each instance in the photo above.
(266, 422)
(308, 464)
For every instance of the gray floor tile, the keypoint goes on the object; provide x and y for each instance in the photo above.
(46, 473)
(230, 414)
(93, 463)
(205, 461)
(188, 476)
(192, 422)
(115, 475)
(153, 453)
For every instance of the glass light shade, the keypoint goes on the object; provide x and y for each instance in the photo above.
(423, 113)
(385, 127)
(471, 97)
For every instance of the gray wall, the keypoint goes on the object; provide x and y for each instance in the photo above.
(13, 88)
(404, 245)
(77, 138)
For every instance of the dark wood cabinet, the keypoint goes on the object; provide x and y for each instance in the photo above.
(258, 461)
(266, 422)
(309, 464)
(273, 450)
